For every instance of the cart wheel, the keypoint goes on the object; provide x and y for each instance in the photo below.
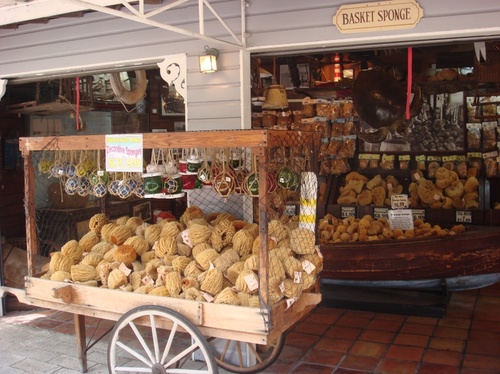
(169, 349)
(244, 357)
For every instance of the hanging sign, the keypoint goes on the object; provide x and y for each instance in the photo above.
(378, 16)
(124, 153)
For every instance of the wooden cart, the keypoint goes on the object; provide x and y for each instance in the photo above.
(245, 327)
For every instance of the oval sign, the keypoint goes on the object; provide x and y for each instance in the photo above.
(377, 16)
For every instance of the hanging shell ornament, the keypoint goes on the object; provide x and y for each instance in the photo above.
(380, 100)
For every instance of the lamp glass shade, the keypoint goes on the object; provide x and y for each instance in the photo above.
(208, 63)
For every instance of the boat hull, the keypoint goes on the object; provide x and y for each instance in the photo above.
(475, 252)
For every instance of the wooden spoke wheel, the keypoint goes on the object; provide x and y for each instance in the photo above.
(244, 357)
(140, 343)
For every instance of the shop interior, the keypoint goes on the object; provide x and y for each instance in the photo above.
(453, 94)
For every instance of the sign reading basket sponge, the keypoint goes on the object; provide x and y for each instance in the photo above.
(378, 16)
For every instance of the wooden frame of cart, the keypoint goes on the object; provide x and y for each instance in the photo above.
(253, 325)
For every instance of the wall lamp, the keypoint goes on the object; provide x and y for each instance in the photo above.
(208, 60)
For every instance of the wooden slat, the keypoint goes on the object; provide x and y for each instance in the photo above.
(215, 139)
(219, 320)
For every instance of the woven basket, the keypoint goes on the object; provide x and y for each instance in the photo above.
(488, 71)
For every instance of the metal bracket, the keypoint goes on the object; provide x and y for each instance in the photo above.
(139, 15)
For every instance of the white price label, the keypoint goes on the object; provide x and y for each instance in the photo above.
(297, 276)
(186, 239)
(207, 296)
(401, 219)
(289, 302)
(464, 216)
(251, 281)
(147, 279)
(124, 269)
(308, 266)
(399, 201)
(282, 287)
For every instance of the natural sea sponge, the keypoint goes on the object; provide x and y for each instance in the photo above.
(213, 281)
(242, 242)
(117, 279)
(125, 253)
(227, 296)
(179, 263)
(92, 259)
(166, 245)
(171, 229)
(222, 235)
(159, 291)
(292, 265)
(97, 221)
(302, 241)
(245, 278)
(102, 248)
(83, 273)
(88, 240)
(374, 182)
(152, 233)
(354, 175)
(226, 259)
(234, 271)
(119, 234)
(121, 220)
(106, 231)
(471, 185)
(190, 213)
(277, 229)
(454, 190)
(378, 195)
(73, 250)
(199, 234)
(173, 283)
(206, 257)
(139, 244)
(365, 197)
(60, 276)
(134, 223)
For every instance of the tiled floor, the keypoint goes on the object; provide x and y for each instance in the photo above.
(332, 340)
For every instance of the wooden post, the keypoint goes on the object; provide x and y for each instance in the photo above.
(262, 158)
(29, 208)
(81, 345)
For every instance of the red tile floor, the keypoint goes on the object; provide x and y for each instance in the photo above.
(333, 340)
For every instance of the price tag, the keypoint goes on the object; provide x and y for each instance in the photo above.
(297, 276)
(147, 279)
(251, 281)
(418, 214)
(399, 201)
(380, 213)
(308, 266)
(463, 216)
(290, 210)
(289, 302)
(207, 296)
(124, 269)
(185, 238)
(347, 211)
(282, 287)
(401, 219)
